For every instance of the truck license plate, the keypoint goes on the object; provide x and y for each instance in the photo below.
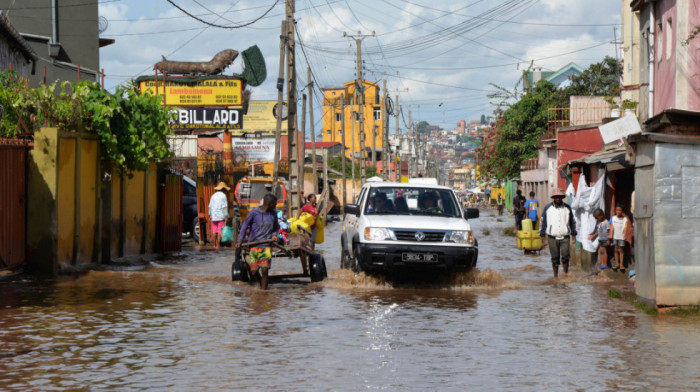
(421, 257)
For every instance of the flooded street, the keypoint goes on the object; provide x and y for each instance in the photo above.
(184, 325)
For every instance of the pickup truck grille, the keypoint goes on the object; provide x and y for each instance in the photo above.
(410, 235)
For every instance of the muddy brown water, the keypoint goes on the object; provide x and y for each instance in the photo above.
(182, 325)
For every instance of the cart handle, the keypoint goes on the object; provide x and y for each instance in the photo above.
(271, 242)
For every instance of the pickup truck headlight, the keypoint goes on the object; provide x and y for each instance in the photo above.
(461, 237)
(378, 234)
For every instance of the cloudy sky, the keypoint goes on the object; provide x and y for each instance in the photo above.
(439, 56)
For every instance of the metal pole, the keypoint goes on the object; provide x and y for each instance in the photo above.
(292, 135)
(352, 149)
(360, 94)
(385, 136)
(311, 126)
(342, 127)
(280, 89)
(302, 144)
(397, 177)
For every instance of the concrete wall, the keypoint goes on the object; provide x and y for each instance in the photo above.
(77, 34)
(574, 143)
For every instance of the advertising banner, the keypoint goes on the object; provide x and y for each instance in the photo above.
(262, 118)
(253, 148)
(208, 118)
(209, 92)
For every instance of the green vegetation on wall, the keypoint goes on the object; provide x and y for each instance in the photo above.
(132, 126)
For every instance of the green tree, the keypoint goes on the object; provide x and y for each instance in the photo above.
(518, 132)
(600, 79)
(520, 125)
(336, 163)
(422, 127)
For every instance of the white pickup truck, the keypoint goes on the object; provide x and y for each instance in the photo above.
(384, 233)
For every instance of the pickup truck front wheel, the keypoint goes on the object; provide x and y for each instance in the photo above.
(356, 267)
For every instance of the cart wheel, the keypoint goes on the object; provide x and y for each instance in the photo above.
(317, 267)
(239, 269)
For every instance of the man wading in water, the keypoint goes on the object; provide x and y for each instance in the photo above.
(558, 225)
(260, 224)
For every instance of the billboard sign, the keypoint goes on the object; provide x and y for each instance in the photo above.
(209, 92)
(262, 118)
(253, 147)
(208, 118)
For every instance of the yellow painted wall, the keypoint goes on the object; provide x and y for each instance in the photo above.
(134, 213)
(331, 98)
(41, 202)
(65, 200)
(134, 192)
(151, 241)
(116, 207)
(88, 198)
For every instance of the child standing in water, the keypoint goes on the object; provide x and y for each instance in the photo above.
(602, 228)
(619, 224)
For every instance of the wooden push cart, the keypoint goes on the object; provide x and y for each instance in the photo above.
(300, 245)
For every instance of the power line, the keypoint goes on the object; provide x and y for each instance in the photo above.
(222, 26)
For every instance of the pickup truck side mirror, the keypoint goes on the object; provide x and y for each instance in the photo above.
(471, 213)
(352, 209)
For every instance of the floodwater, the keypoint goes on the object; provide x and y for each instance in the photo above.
(182, 325)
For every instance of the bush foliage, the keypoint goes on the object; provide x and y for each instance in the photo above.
(132, 126)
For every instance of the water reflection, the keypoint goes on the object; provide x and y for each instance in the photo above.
(186, 326)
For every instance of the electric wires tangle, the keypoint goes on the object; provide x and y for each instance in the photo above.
(238, 26)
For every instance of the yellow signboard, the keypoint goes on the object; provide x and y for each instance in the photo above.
(210, 92)
(262, 118)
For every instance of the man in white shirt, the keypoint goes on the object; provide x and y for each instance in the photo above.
(558, 225)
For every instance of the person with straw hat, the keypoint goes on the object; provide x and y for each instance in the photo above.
(558, 226)
(218, 212)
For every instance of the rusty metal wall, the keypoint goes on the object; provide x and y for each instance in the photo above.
(13, 206)
(171, 214)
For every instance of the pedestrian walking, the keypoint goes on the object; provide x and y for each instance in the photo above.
(499, 203)
(519, 209)
(531, 206)
(218, 212)
(558, 226)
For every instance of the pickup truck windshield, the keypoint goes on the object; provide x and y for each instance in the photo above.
(411, 201)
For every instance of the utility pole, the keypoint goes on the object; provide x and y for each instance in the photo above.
(374, 144)
(397, 177)
(292, 135)
(280, 103)
(302, 145)
(385, 135)
(412, 147)
(360, 93)
(311, 126)
(345, 177)
(352, 148)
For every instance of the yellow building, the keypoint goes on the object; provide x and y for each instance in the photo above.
(372, 111)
